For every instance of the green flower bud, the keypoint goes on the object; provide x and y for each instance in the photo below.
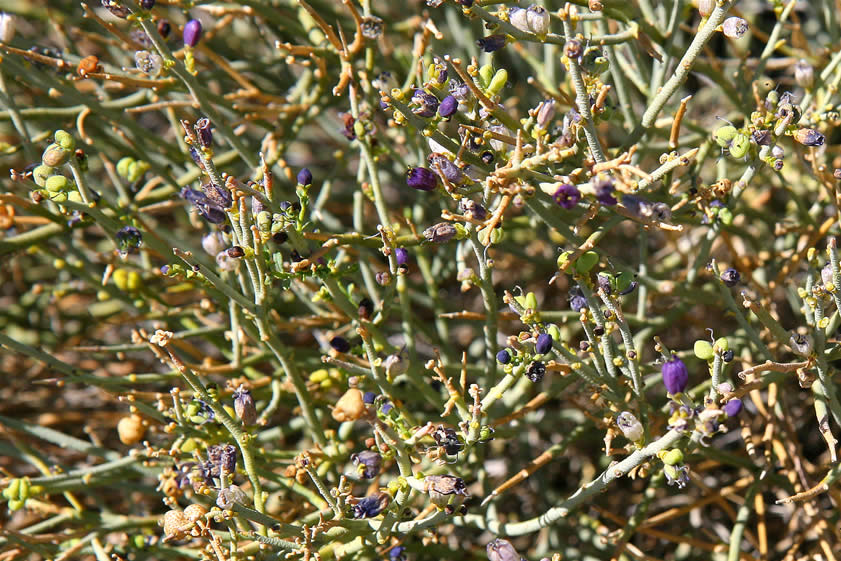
(58, 197)
(724, 134)
(498, 82)
(486, 74)
(586, 262)
(58, 183)
(725, 215)
(703, 350)
(65, 140)
(563, 259)
(55, 156)
(123, 166)
(721, 344)
(739, 145)
(136, 169)
(15, 504)
(673, 457)
(74, 197)
(41, 173)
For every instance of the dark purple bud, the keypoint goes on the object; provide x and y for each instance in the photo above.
(340, 344)
(577, 303)
(733, 407)
(368, 463)
(129, 239)
(448, 107)
(147, 4)
(536, 371)
(603, 282)
(544, 344)
(164, 269)
(422, 179)
(219, 194)
(371, 505)
(192, 32)
(386, 407)
(164, 28)
(567, 196)
(443, 75)
(235, 252)
(369, 397)
(401, 254)
(728, 355)
(304, 177)
(365, 308)
(675, 375)
(503, 356)
(194, 154)
(491, 43)
(731, 277)
(204, 132)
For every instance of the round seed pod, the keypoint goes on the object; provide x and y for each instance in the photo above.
(350, 406)
(195, 512)
(175, 525)
(131, 430)
(55, 156)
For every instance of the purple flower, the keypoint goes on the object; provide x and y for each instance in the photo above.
(340, 344)
(371, 505)
(603, 187)
(304, 177)
(192, 32)
(733, 407)
(731, 277)
(577, 303)
(448, 107)
(422, 179)
(442, 165)
(459, 90)
(368, 463)
(567, 196)
(402, 256)
(491, 43)
(544, 344)
(675, 375)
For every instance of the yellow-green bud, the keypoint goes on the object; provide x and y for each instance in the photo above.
(65, 140)
(123, 166)
(57, 184)
(136, 169)
(498, 82)
(721, 344)
(41, 173)
(486, 73)
(703, 349)
(673, 457)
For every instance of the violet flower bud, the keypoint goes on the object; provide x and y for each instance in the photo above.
(304, 177)
(192, 32)
(567, 196)
(733, 407)
(545, 113)
(544, 344)
(401, 254)
(675, 375)
(369, 397)
(491, 43)
(368, 463)
(503, 356)
(502, 550)
(603, 187)
(731, 277)
(448, 106)
(422, 179)
(809, 137)
(244, 406)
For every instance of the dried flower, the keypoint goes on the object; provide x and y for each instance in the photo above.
(573, 49)
(448, 439)
(804, 74)
(734, 27)
(538, 19)
(372, 27)
(460, 90)
(204, 132)
(630, 426)
(129, 239)
(502, 550)
(536, 371)
(368, 463)
(150, 64)
(443, 489)
(518, 18)
(116, 8)
(545, 113)
(675, 375)
(491, 43)
(426, 104)
(192, 32)
(422, 179)
(809, 137)
(395, 364)
(229, 496)
(440, 233)
(446, 169)
(244, 406)
(800, 344)
(567, 196)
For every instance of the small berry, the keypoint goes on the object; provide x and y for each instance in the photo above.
(448, 106)
(503, 356)
(733, 407)
(544, 344)
(304, 177)
(340, 344)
